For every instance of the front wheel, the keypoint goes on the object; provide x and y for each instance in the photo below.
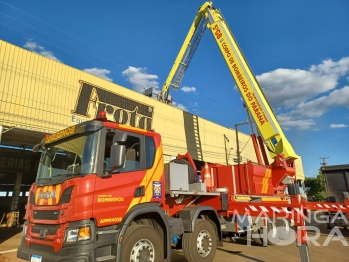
(200, 245)
(141, 244)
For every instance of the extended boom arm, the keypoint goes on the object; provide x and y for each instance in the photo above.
(250, 90)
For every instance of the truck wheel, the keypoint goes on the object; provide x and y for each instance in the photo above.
(272, 235)
(201, 244)
(142, 244)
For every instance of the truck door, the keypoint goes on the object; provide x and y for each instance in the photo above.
(115, 194)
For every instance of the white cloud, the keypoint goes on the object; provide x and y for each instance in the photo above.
(328, 67)
(188, 89)
(289, 87)
(338, 125)
(323, 104)
(36, 48)
(102, 73)
(298, 96)
(302, 115)
(287, 122)
(140, 79)
(179, 106)
(30, 45)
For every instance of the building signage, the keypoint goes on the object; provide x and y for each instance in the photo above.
(92, 100)
(18, 163)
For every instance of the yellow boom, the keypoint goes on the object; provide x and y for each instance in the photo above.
(250, 90)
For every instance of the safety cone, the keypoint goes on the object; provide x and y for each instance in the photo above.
(207, 178)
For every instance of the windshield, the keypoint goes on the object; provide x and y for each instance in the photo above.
(69, 157)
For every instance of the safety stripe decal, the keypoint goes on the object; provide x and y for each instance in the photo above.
(48, 199)
(153, 174)
(266, 180)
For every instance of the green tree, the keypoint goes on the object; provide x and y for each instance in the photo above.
(315, 188)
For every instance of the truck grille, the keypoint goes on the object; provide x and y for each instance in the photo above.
(46, 214)
(43, 239)
(43, 248)
(50, 229)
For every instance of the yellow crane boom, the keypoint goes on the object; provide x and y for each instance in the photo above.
(246, 82)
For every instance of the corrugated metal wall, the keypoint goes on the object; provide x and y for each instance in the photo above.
(37, 93)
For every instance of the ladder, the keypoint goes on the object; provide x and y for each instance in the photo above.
(15, 220)
(189, 53)
(12, 219)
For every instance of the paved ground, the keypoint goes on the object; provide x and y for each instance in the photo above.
(240, 252)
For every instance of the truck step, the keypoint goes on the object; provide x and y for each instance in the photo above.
(106, 258)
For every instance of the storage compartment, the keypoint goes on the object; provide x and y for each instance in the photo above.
(176, 176)
(198, 187)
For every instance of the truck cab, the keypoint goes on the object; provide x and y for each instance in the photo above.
(89, 177)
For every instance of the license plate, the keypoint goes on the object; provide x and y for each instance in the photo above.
(35, 258)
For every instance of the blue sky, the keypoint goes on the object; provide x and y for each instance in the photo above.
(299, 51)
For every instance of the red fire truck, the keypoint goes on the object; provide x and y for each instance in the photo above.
(104, 193)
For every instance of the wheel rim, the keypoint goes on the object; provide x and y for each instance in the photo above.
(143, 251)
(204, 243)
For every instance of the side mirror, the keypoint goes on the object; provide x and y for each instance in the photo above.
(120, 137)
(38, 147)
(117, 157)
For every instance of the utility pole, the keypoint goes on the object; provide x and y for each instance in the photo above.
(323, 160)
(237, 140)
(226, 139)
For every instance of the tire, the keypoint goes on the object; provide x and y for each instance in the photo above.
(142, 244)
(272, 235)
(191, 175)
(201, 244)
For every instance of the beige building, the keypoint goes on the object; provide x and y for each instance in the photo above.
(39, 95)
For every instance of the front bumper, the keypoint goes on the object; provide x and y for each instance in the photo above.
(78, 253)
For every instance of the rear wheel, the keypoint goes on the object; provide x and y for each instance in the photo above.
(142, 244)
(200, 245)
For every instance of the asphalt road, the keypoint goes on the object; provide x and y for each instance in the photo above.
(322, 248)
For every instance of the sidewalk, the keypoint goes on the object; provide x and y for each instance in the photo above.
(10, 239)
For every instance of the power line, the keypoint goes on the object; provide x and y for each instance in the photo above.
(50, 43)
(41, 31)
(56, 28)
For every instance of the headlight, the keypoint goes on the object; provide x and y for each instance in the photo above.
(24, 231)
(82, 233)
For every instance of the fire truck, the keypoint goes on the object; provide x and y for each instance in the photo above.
(104, 193)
